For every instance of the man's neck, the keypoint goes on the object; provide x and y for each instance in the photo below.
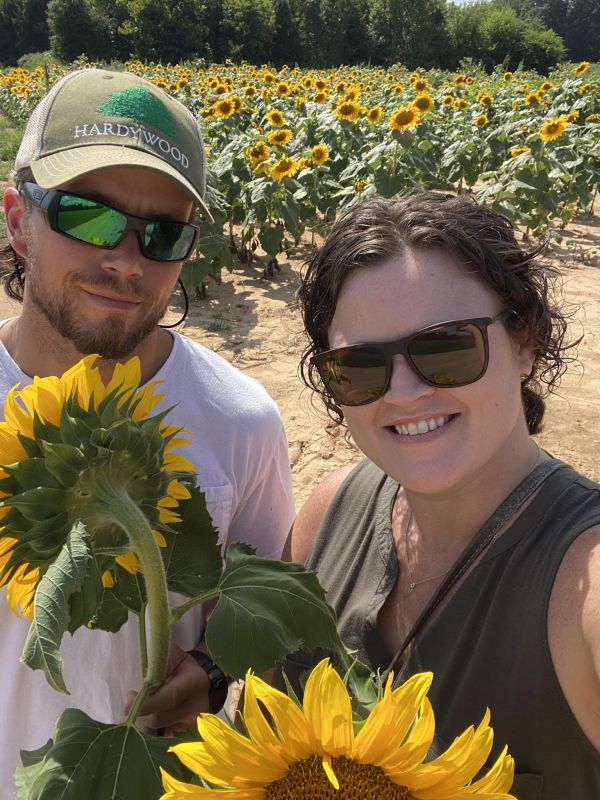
(39, 350)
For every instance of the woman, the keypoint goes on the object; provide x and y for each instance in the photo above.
(431, 333)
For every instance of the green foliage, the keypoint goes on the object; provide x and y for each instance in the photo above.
(164, 30)
(23, 28)
(64, 578)
(274, 608)
(411, 32)
(577, 22)
(10, 138)
(98, 762)
(247, 28)
(76, 27)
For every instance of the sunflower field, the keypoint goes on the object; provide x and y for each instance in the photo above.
(290, 149)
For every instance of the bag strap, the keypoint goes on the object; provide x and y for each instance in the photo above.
(480, 542)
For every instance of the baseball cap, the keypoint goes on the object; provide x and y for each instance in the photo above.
(92, 119)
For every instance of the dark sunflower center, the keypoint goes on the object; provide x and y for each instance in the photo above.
(306, 780)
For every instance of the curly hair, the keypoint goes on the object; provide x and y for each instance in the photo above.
(12, 268)
(481, 240)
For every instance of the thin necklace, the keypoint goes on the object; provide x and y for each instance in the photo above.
(412, 583)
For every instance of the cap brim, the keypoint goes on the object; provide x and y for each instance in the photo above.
(54, 170)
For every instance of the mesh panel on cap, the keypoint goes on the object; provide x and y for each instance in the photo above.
(32, 141)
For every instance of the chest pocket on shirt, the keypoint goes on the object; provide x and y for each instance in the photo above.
(219, 500)
(527, 786)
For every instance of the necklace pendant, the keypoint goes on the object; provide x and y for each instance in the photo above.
(411, 587)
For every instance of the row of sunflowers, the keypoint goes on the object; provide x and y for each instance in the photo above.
(289, 149)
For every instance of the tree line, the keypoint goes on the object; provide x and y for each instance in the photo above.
(309, 33)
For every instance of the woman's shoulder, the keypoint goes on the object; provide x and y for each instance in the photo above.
(311, 515)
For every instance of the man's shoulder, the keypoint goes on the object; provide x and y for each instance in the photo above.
(201, 375)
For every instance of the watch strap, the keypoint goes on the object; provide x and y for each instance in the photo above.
(217, 680)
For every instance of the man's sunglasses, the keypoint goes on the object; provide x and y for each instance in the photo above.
(448, 354)
(102, 226)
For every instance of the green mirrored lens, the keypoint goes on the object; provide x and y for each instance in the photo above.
(167, 241)
(89, 221)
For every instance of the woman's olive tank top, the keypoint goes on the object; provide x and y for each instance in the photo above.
(488, 645)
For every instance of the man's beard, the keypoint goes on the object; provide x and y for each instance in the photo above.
(109, 338)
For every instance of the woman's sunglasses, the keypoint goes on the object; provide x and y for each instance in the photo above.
(448, 354)
(102, 226)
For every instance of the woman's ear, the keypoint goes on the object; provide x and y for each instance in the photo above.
(15, 212)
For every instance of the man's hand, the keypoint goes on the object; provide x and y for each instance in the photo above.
(175, 705)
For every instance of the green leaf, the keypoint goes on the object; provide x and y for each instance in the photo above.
(26, 775)
(63, 462)
(103, 762)
(271, 238)
(193, 560)
(127, 595)
(51, 617)
(266, 609)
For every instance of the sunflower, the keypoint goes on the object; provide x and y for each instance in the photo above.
(546, 86)
(320, 97)
(257, 152)
(553, 129)
(424, 103)
(485, 98)
(459, 80)
(582, 67)
(54, 443)
(314, 752)
(507, 77)
(481, 121)
(281, 137)
(461, 103)
(573, 116)
(275, 118)
(268, 78)
(398, 88)
(224, 108)
(584, 89)
(320, 154)
(515, 152)
(283, 168)
(374, 114)
(404, 117)
(447, 100)
(420, 85)
(593, 118)
(249, 91)
(347, 110)
(283, 88)
(532, 99)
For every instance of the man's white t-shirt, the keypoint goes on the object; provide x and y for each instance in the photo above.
(240, 453)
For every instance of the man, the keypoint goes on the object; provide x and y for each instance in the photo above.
(106, 181)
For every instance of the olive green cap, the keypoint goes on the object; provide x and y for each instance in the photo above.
(92, 119)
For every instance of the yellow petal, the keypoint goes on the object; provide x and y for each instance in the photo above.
(296, 735)
(328, 710)
(130, 563)
(402, 762)
(328, 769)
(15, 415)
(159, 539)
(178, 491)
(177, 789)
(107, 579)
(178, 463)
(167, 517)
(391, 719)
(456, 766)
(226, 757)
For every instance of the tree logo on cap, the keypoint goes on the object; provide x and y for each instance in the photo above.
(138, 104)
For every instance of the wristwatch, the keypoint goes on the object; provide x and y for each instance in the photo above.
(217, 680)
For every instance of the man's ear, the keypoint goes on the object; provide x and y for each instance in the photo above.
(15, 215)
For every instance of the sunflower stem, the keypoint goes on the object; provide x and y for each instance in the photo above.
(143, 639)
(178, 612)
(131, 519)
